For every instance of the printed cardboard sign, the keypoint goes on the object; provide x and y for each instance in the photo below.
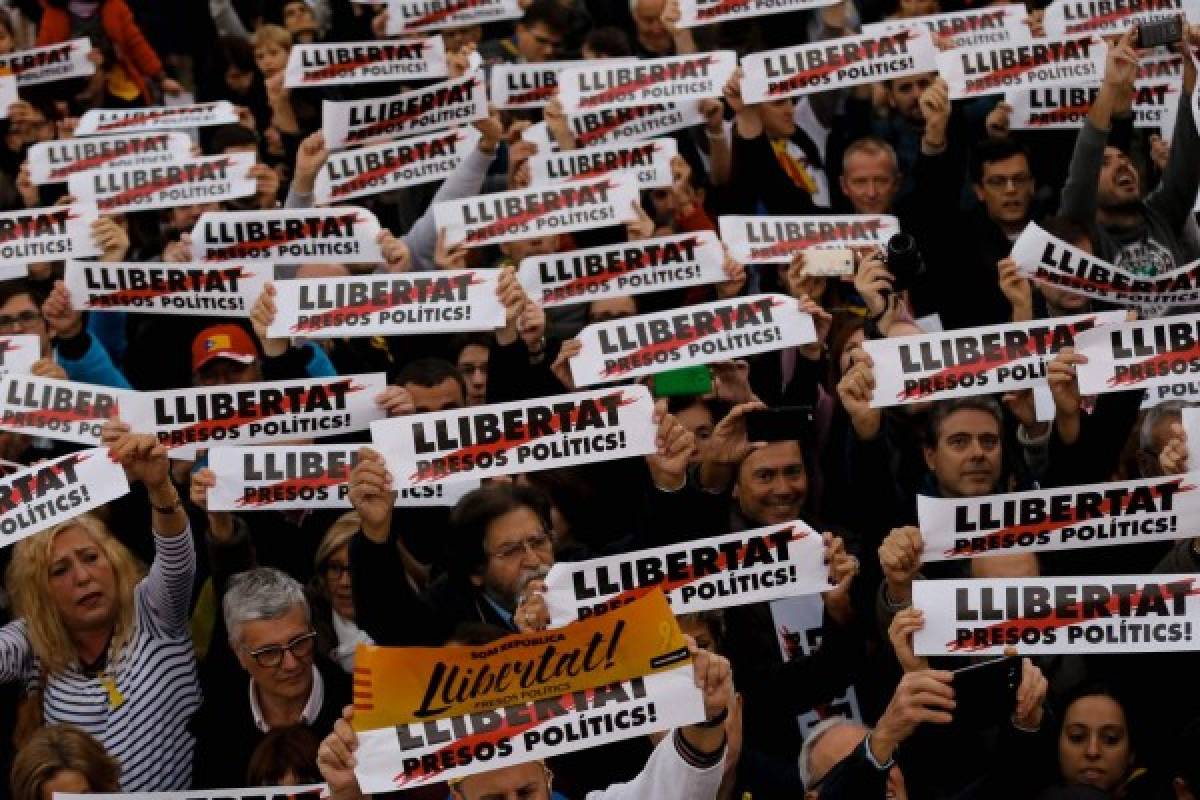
(621, 124)
(619, 270)
(19, 352)
(420, 16)
(293, 477)
(351, 63)
(967, 28)
(54, 162)
(65, 410)
(448, 301)
(648, 163)
(995, 69)
(53, 62)
(511, 438)
(836, 63)
(709, 12)
(527, 213)
(1155, 105)
(971, 361)
(648, 343)
(291, 236)
(1191, 427)
(364, 171)
(1139, 355)
(42, 496)
(48, 234)
(774, 240)
(595, 85)
(192, 289)
(525, 85)
(1048, 616)
(431, 108)
(8, 92)
(311, 792)
(158, 118)
(1066, 17)
(209, 179)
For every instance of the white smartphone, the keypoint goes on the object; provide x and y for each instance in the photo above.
(828, 263)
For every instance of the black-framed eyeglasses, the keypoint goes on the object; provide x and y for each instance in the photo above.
(25, 319)
(271, 656)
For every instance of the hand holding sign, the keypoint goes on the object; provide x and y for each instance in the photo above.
(220, 523)
(1064, 386)
(372, 495)
(1031, 694)
(900, 633)
(676, 444)
(855, 390)
(310, 157)
(143, 458)
(735, 276)
(335, 758)
(1120, 68)
(935, 108)
(111, 238)
(842, 568)
(1016, 289)
(900, 558)
(262, 316)
(48, 368)
(396, 401)
(1173, 459)
(62, 320)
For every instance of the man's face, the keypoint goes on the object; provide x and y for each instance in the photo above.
(870, 180)
(1119, 183)
(966, 459)
(1006, 190)
(291, 678)
(19, 314)
(443, 397)
(518, 549)
(473, 365)
(226, 372)
(456, 39)
(529, 781)
(904, 95)
(300, 21)
(654, 36)
(537, 42)
(772, 483)
(835, 745)
(778, 117)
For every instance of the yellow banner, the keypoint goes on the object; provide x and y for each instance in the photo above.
(400, 685)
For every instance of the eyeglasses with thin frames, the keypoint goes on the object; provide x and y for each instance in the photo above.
(538, 544)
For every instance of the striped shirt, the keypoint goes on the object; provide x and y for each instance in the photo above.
(155, 672)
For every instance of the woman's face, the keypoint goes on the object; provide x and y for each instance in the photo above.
(7, 45)
(853, 342)
(697, 419)
(270, 58)
(337, 578)
(83, 582)
(1093, 747)
(68, 781)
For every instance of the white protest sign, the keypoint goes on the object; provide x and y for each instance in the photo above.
(1139, 355)
(774, 240)
(210, 179)
(190, 289)
(528, 213)
(836, 63)
(344, 234)
(447, 301)
(53, 162)
(643, 345)
(1049, 616)
(600, 84)
(65, 410)
(363, 171)
(309, 792)
(159, 118)
(53, 62)
(431, 108)
(248, 413)
(293, 477)
(1066, 17)
(8, 92)
(1159, 66)
(971, 361)
(419, 16)
(648, 163)
(511, 438)
(351, 63)
(51, 492)
(1066, 518)
(48, 234)
(415, 755)
(1155, 105)
(699, 575)
(995, 69)
(619, 270)
(633, 123)
(525, 85)
(1191, 427)
(18, 352)
(995, 24)
(695, 13)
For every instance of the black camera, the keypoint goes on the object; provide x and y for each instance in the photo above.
(904, 261)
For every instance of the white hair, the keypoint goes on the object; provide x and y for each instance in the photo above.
(810, 741)
(260, 593)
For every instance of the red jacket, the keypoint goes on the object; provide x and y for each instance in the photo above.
(133, 51)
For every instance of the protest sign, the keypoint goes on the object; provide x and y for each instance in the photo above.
(419, 16)
(414, 755)
(528, 213)
(996, 24)
(293, 477)
(209, 179)
(48, 234)
(51, 492)
(53, 162)
(1066, 17)
(65, 410)
(193, 289)
(247, 413)
(1067, 518)
(1138, 355)
(1191, 427)
(18, 352)
(8, 92)
(397, 685)
(352, 63)
(344, 234)
(836, 63)
(385, 167)
(995, 69)
(648, 163)
(774, 240)
(1051, 616)
(511, 438)
(619, 270)
(695, 13)
(525, 85)
(648, 343)
(970, 361)
(157, 118)
(1064, 108)
(633, 123)
(310, 792)
(600, 84)
(431, 108)
(448, 301)
(1159, 66)
(700, 575)
(54, 62)
(1050, 260)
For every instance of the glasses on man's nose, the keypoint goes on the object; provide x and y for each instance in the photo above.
(26, 319)
(538, 543)
(1004, 181)
(271, 656)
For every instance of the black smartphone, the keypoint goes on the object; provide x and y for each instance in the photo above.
(986, 694)
(778, 424)
(1159, 32)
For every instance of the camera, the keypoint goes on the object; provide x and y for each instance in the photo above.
(904, 261)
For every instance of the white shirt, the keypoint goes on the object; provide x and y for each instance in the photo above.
(308, 716)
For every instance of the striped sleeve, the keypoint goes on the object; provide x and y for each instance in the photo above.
(15, 652)
(165, 594)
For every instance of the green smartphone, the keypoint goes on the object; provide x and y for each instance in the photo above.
(683, 381)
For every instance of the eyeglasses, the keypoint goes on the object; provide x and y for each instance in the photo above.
(24, 319)
(537, 543)
(1002, 181)
(271, 656)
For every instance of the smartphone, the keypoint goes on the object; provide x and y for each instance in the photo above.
(1159, 32)
(779, 424)
(829, 263)
(986, 694)
(683, 381)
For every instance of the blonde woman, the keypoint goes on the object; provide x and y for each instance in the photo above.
(331, 594)
(107, 646)
(62, 758)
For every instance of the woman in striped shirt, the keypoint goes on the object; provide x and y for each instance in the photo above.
(108, 648)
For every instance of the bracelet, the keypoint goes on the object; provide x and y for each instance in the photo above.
(171, 509)
(716, 721)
